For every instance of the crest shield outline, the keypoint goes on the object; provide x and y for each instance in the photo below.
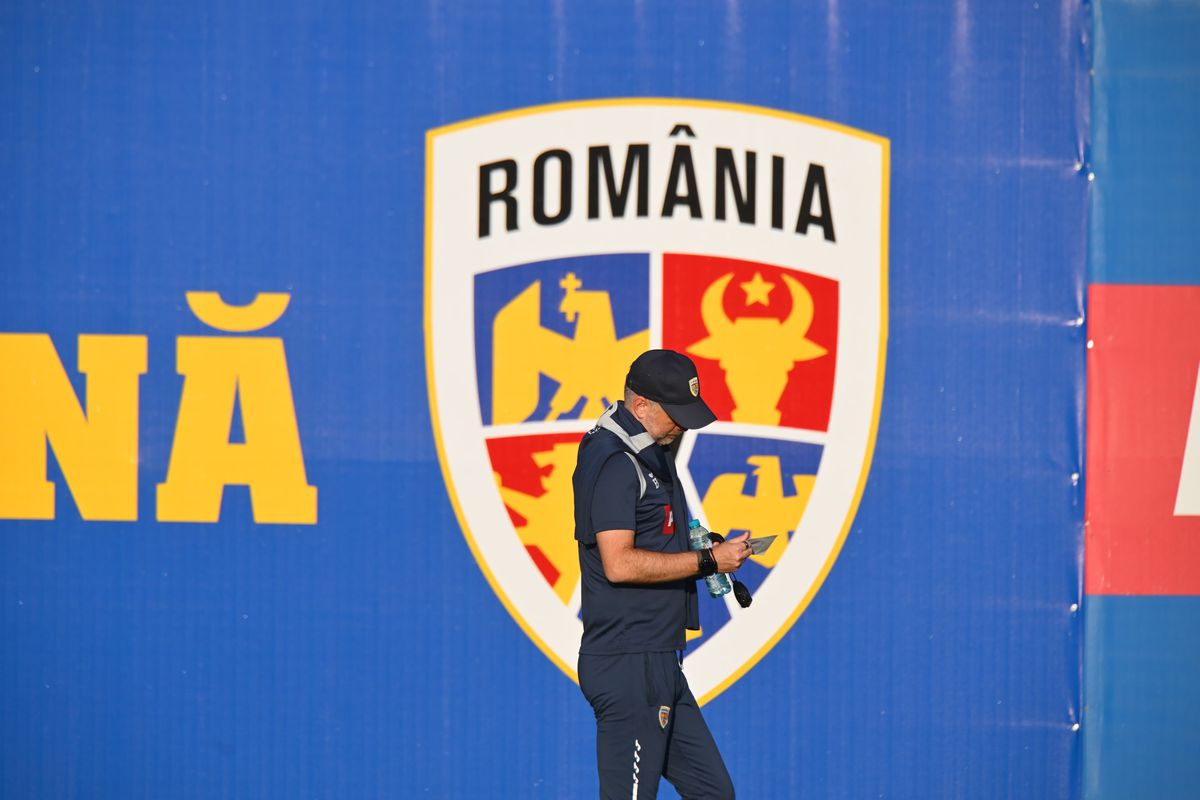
(504, 435)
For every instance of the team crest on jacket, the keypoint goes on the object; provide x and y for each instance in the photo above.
(564, 240)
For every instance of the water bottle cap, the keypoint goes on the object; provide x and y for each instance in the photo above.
(694, 524)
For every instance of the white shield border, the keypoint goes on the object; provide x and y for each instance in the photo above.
(868, 451)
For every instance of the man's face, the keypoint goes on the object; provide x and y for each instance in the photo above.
(658, 423)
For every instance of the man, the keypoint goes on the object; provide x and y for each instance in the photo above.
(639, 587)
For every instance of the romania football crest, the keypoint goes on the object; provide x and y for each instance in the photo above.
(561, 242)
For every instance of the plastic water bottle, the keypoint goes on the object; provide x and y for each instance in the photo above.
(718, 583)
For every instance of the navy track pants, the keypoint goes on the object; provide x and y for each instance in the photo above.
(648, 726)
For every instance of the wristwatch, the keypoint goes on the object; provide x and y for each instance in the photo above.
(708, 562)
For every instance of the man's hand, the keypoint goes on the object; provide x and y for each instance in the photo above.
(731, 553)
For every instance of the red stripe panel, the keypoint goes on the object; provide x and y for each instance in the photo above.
(1142, 372)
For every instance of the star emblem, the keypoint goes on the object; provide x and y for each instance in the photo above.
(757, 289)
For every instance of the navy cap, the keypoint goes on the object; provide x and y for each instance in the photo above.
(670, 379)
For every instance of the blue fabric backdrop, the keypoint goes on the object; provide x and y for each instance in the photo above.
(148, 149)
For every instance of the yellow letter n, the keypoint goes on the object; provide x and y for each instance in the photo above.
(97, 451)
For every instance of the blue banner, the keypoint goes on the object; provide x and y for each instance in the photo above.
(281, 418)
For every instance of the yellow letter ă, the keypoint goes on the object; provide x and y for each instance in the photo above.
(220, 372)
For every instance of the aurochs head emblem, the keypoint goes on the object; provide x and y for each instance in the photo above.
(756, 353)
(562, 241)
